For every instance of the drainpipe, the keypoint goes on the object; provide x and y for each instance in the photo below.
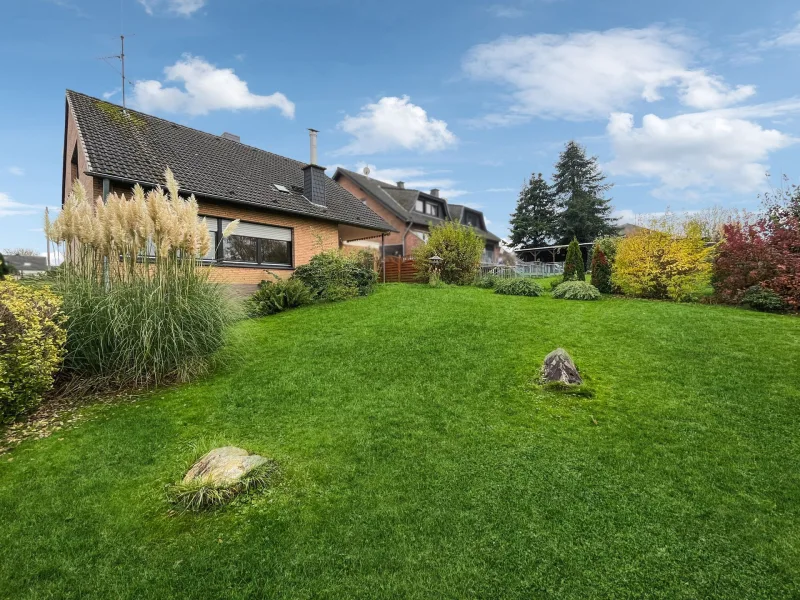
(405, 233)
(383, 257)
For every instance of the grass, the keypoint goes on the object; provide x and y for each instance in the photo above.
(419, 458)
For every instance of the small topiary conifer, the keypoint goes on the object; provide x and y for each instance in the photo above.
(601, 271)
(573, 267)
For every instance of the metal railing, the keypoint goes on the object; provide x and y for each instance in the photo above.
(522, 269)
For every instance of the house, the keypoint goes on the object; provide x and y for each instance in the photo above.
(412, 212)
(289, 210)
(26, 266)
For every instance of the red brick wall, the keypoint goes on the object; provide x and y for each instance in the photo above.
(71, 141)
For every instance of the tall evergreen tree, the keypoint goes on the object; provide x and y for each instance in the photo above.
(580, 187)
(533, 223)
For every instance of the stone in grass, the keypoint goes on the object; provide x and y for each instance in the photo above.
(223, 466)
(559, 367)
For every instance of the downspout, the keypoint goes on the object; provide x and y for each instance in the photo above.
(405, 233)
(383, 257)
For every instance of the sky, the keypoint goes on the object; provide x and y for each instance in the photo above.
(686, 104)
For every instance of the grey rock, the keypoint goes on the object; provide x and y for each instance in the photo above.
(224, 466)
(559, 366)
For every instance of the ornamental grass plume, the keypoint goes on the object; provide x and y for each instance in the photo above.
(141, 308)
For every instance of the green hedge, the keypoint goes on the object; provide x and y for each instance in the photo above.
(518, 287)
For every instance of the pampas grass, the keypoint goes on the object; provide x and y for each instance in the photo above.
(141, 309)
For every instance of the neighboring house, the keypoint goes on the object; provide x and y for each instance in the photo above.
(289, 210)
(26, 266)
(413, 212)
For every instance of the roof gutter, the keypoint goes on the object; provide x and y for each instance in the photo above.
(238, 201)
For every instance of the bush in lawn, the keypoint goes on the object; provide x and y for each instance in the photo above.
(332, 275)
(658, 264)
(763, 299)
(487, 282)
(140, 308)
(573, 266)
(460, 249)
(279, 295)
(32, 339)
(576, 290)
(601, 271)
(765, 254)
(519, 286)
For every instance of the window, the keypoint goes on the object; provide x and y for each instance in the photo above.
(472, 219)
(258, 245)
(281, 188)
(432, 209)
(73, 165)
(212, 223)
(419, 206)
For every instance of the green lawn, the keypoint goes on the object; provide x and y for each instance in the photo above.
(419, 461)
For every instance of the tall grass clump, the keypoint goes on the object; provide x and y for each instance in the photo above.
(141, 309)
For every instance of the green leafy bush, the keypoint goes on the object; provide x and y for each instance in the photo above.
(333, 275)
(276, 296)
(487, 282)
(32, 339)
(576, 290)
(460, 249)
(763, 299)
(573, 266)
(601, 271)
(140, 312)
(519, 286)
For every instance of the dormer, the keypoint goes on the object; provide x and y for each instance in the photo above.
(473, 218)
(430, 206)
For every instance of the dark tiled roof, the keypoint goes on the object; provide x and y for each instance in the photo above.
(138, 147)
(26, 263)
(401, 202)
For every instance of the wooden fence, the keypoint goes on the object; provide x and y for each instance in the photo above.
(399, 270)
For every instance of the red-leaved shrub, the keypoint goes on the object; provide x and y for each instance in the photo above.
(765, 253)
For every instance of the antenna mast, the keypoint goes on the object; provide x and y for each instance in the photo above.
(122, 59)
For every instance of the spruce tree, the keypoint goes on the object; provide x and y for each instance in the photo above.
(573, 266)
(533, 223)
(580, 186)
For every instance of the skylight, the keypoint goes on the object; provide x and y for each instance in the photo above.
(281, 188)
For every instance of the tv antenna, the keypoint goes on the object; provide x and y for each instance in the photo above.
(121, 58)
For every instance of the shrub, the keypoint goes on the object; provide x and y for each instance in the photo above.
(601, 271)
(276, 296)
(765, 254)
(573, 266)
(576, 290)
(5, 268)
(763, 299)
(487, 282)
(141, 309)
(460, 249)
(519, 286)
(608, 244)
(333, 275)
(32, 341)
(657, 264)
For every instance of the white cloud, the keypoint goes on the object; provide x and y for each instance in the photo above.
(12, 208)
(589, 75)
(184, 8)
(698, 150)
(112, 93)
(499, 190)
(205, 88)
(503, 11)
(18, 171)
(786, 38)
(393, 123)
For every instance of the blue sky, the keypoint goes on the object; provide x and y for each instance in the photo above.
(686, 103)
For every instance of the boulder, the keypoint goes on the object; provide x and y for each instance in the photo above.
(558, 366)
(224, 466)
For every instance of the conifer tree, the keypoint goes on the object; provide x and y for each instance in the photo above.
(580, 187)
(533, 223)
(601, 271)
(573, 266)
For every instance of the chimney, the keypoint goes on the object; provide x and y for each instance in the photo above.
(314, 175)
(435, 192)
(401, 185)
(230, 136)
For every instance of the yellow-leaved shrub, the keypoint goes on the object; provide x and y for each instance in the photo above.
(663, 264)
(32, 338)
